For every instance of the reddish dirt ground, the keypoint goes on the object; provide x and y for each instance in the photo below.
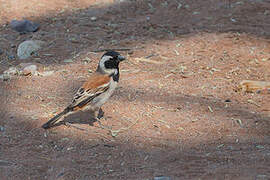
(178, 115)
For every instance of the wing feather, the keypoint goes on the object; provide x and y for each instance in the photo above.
(93, 87)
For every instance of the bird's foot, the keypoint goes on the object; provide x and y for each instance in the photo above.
(100, 114)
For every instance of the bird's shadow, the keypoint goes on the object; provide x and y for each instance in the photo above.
(82, 117)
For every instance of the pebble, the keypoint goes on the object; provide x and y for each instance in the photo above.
(31, 69)
(11, 71)
(24, 26)
(162, 178)
(121, 1)
(5, 163)
(46, 73)
(4, 77)
(93, 18)
(26, 48)
(11, 57)
(22, 69)
(68, 60)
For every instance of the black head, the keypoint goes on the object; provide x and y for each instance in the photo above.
(114, 54)
(112, 59)
(109, 62)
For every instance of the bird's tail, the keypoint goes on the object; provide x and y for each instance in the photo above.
(56, 119)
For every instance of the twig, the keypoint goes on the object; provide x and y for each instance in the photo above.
(114, 133)
(148, 61)
(82, 129)
(71, 125)
(103, 127)
(149, 56)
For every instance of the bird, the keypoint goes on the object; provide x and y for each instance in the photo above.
(95, 91)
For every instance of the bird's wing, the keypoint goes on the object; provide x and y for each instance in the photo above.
(93, 87)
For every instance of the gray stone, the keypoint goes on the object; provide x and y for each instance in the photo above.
(11, 57)
(11, 71)
(5, 77)
(94, 18)
(121, 1)
(68, 60)
(27, 69)
(46, 73)
(28, 47)
(162, 178)
(5, 163)
(30, 69)
(24, 26)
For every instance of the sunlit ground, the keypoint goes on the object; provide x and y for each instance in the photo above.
(34, 9)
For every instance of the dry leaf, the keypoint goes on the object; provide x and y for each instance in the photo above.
(253, 102)
(210, 109)
(148, 61)
(253, 86)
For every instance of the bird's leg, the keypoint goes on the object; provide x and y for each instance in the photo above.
(100, 113)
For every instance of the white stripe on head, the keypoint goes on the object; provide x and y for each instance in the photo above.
(103, 68)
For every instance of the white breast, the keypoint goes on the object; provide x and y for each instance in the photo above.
(101, 99)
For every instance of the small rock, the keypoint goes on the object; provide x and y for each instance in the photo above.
(26, 48)
(1, 51)
(5, 163)
(24, 26)
(233, 20)
(260, 147)
(93, 18)
(196, 13)
(162, 178)
(74, 40)
(68, 60)
(11, 57)
(2, 128)
(266, 12)
(23, 65)
(46, 73)
(65, 139)
(31, 69)
(11, 71)
(70, 148)
(261, 176)
(5, 77)
(120, 1)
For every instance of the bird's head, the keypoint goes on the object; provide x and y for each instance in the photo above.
(109, 63)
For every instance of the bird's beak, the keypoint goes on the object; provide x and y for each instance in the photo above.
(121, 58)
